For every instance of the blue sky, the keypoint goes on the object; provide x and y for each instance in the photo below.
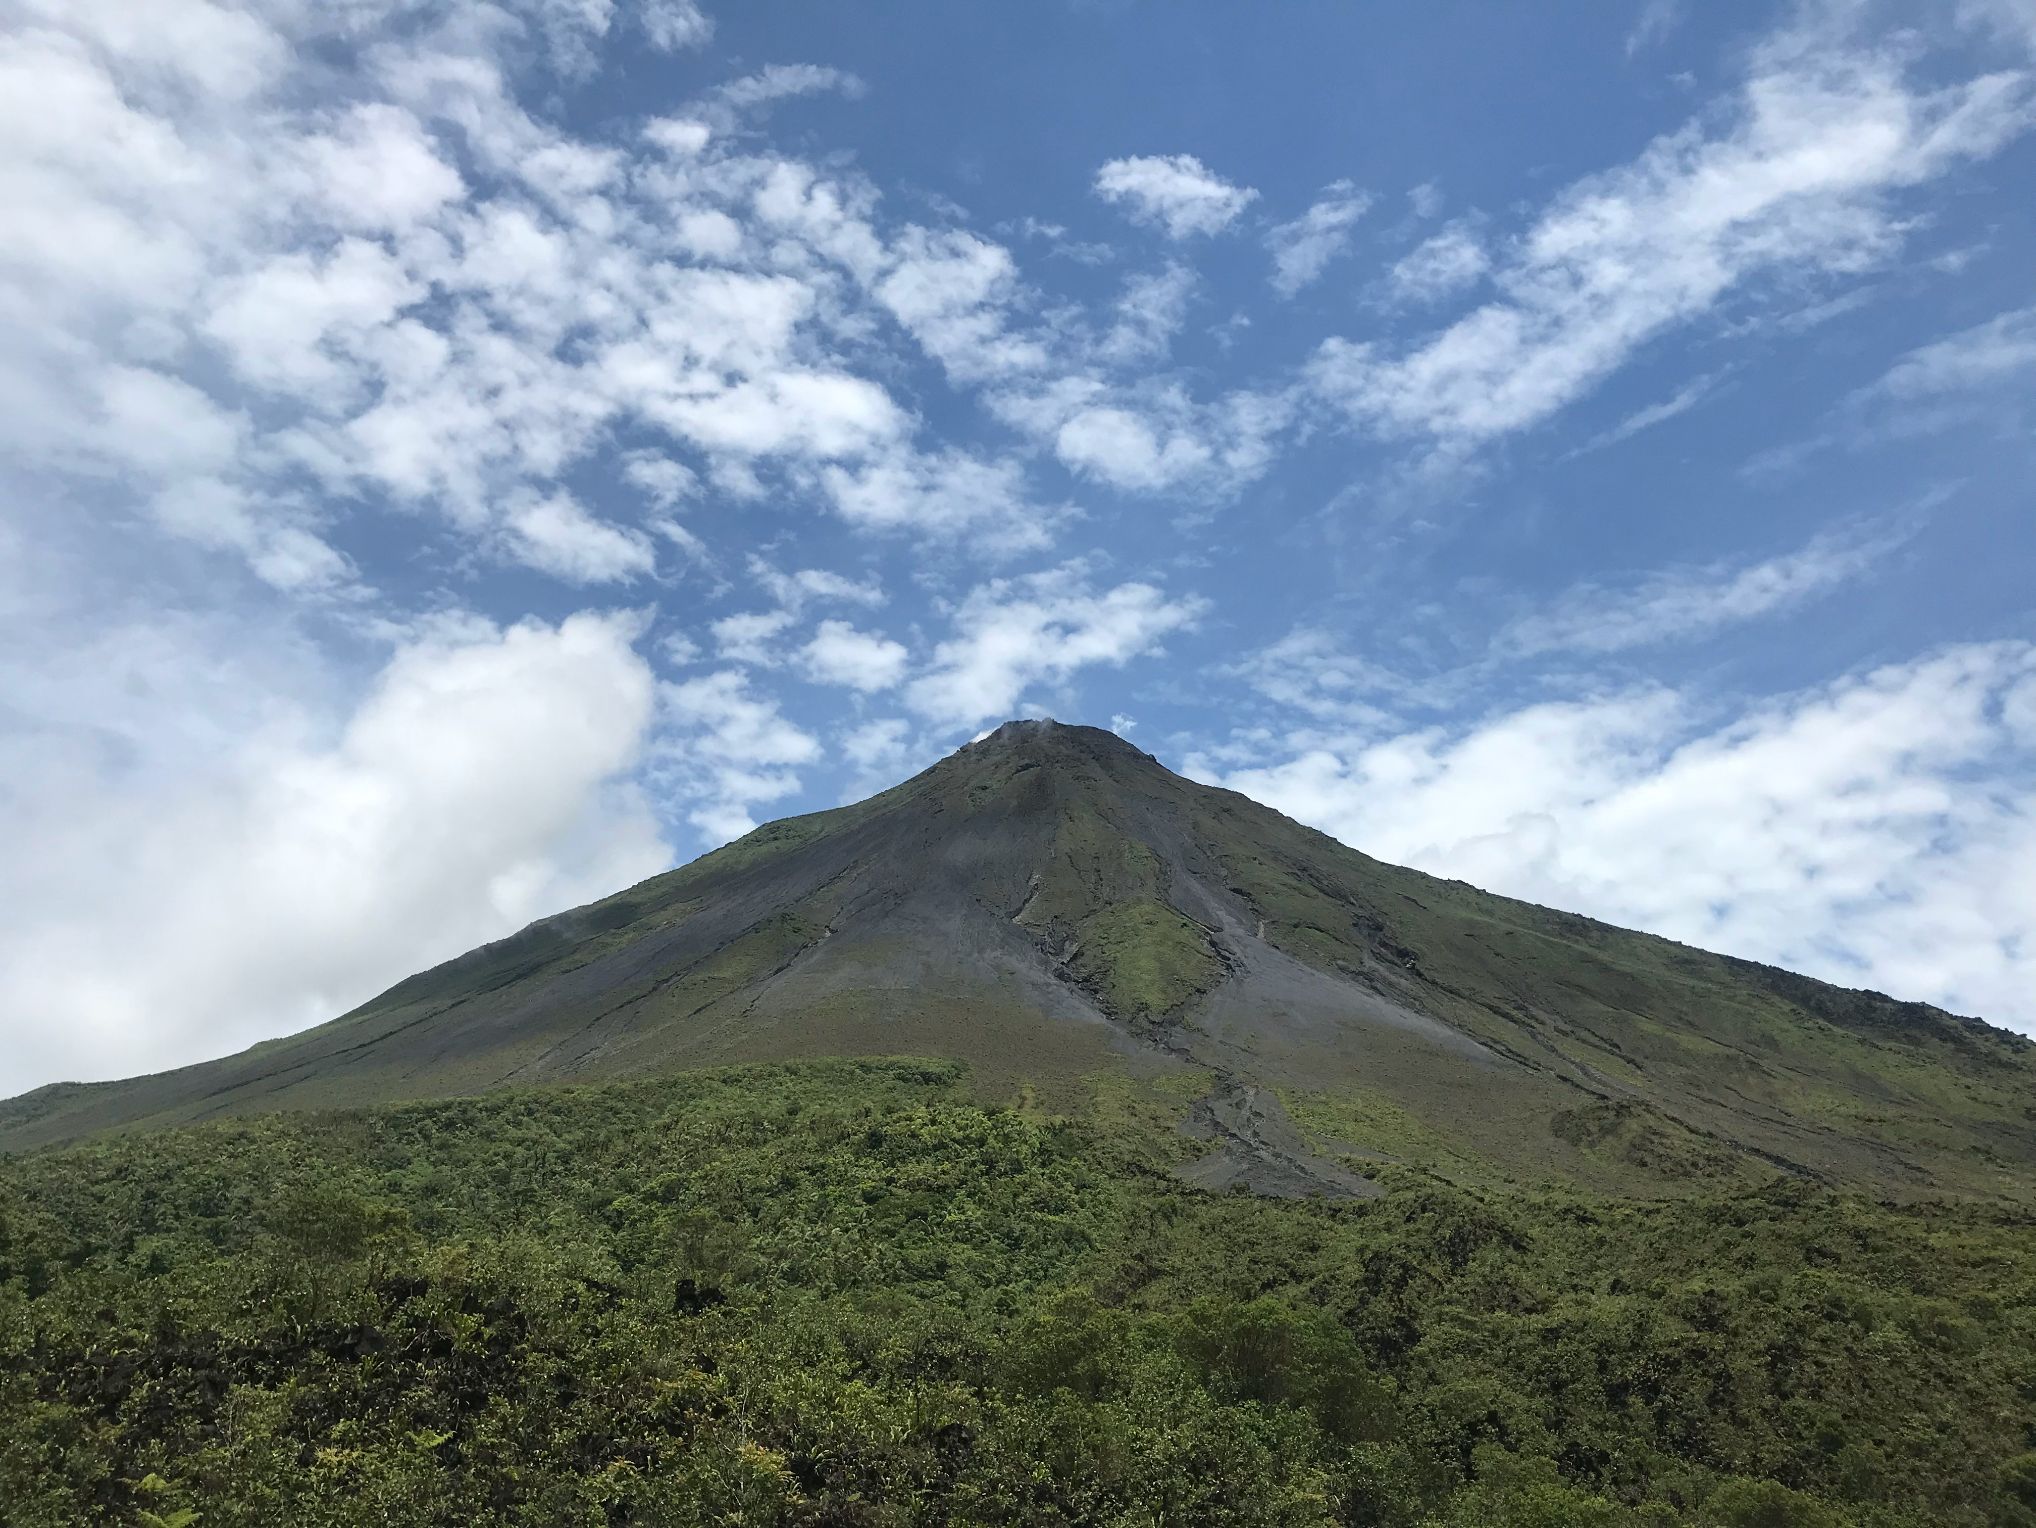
(457, 461)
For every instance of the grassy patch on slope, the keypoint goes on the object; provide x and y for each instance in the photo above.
(1145, 959)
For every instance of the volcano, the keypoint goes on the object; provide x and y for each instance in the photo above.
(1053, 907)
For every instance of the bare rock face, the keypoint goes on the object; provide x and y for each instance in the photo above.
(1050, 903)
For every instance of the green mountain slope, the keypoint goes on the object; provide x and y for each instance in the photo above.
(1051, 906)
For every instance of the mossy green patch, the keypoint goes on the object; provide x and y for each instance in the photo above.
(1144, 959)
(1091, 866)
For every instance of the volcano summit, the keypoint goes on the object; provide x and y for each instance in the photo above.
(1052, 906)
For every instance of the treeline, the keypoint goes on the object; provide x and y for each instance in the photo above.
(845, 1294)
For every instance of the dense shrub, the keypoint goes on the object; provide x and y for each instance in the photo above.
(845, 1294)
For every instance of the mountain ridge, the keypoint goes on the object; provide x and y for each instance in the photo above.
(1050, 904)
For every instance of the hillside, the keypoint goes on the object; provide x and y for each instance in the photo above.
(1050, 905)
(845, 1293)
(1047, 1140)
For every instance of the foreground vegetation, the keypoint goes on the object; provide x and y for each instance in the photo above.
(846, 1293)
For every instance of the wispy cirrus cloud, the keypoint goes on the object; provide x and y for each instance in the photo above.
(1683, 604)
(1303, 249)
(1975, 375)
(1678, 403)
(1440, 266)
(2001, 350)
(1797, 174)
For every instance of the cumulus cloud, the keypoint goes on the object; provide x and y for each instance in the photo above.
(1873, 831)
(1010, 634)
(1302, 249)
(955, 292)
(265, 852)
(839, 654)
(1800, 178)
(780, 82)
(263, 303)
(1124, 448)
(749, 637)
(1657, 19)
(880, 753)
(556, 535)
(1174, 192)
(1159, 439)
(949, 496)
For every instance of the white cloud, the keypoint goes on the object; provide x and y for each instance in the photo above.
(556, 536)
(2014, 20)
(360, 270)
(1873, 832)
(1658, 18)
(953, 292)
(1175, 192)
(379, 173)
(1685, 398)
(1013, 633)
(213, 513)
(748, 637)
(1310, 670)
(1984, 356)
(1302, 249)
(1687, 603)
(663, 481)
(951, 496)
(858, 660)
(223, 52)
(674, 24)
(292, 323)
(881, 753)
(782, 82)
(1824, 132)
(1149, 314)
(1966, 378)
(824, 414)
(728, 751)
(262, 853)
(793, 590)
(1125, 449)
(1158, 440)
(1440, 266)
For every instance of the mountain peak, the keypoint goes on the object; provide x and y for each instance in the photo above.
(1051, 905)
(1069, 749)
(1044, 736)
